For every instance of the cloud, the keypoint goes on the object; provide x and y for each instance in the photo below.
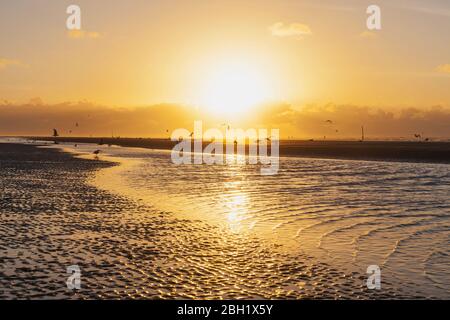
(37, 117)
(81, 34)
(310, 121)
(4, 63)
(307, 121)
(444, 68)
(297, 30)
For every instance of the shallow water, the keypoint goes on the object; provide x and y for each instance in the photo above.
(349, 214)
(199, 231)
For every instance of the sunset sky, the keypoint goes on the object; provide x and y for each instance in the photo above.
(227, 56)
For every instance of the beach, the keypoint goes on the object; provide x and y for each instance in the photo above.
(138, 230)
(52, 219)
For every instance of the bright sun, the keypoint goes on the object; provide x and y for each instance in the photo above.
(234, 88)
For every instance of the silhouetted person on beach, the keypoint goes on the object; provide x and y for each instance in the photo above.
(55, 134)
(96, 152)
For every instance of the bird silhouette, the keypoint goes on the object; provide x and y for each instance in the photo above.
(55, 133)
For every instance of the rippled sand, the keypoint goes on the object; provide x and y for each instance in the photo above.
(148, 229)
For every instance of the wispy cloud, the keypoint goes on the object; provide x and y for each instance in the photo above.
(4, 63)
(297, 30)
(444, 68)
(81, 34)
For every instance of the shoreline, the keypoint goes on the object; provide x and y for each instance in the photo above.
(390, 151)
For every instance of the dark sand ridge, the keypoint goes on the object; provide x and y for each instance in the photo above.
(431, 152)
(52, 218)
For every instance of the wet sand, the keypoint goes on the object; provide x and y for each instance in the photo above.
(52, 217)
(427, 152)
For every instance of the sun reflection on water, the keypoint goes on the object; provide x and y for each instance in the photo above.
(236, 205)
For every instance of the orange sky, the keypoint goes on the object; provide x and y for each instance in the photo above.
(224, 57)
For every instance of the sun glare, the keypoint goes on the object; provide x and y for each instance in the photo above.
(234, 88)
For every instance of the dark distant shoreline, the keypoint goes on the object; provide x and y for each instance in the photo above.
(396, 151)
